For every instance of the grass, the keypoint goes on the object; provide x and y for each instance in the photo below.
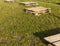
(17, 28)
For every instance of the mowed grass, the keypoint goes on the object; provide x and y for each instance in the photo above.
(17, 28)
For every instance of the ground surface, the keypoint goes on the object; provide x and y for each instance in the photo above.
(18, 28)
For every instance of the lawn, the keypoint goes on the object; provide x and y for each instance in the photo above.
(18, 28)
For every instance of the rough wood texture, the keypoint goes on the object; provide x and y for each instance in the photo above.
(29, 3)
(10, 0)
(38, 10)
(50, 45)
(53, 38)
(57, 43)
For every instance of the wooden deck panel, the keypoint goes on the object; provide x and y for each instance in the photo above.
(53, 38)
(29, 3)
(56, 43)
(10, 0)
(38, 10)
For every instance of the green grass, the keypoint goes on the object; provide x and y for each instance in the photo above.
(17, 28)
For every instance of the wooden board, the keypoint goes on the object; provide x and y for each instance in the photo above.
(57, 43)
(38, 9)
(53, 38)
(28, 2)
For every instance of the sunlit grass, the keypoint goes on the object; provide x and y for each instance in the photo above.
(17, 27)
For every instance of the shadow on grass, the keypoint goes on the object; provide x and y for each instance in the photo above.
(46, 33)
(58, 3)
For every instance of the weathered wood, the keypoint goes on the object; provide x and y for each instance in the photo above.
(57, 43)
(53, 38)
(29, 3)
(10, 0)
(50, 45)
(37, 10)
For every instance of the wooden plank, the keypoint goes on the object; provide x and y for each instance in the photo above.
(50, 45)
(53, 38)
(29, 3)
(9, 0)
(38, 9)
(56, 43)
